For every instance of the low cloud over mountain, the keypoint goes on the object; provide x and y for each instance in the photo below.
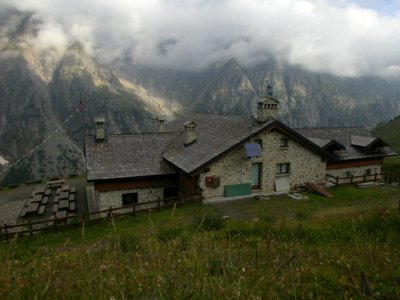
(339, 37)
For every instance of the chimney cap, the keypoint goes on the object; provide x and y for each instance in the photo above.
(190, 123)
(264, 99)
(100, 119)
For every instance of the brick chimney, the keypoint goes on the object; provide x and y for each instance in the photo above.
(190, 132)
(100, 132)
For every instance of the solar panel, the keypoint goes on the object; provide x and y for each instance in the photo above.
(253, 150)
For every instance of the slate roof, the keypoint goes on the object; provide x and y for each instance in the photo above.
(150, 154)
(216, 135)
(356, 141)
(128, 156)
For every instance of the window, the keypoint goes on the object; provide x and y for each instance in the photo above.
(260, 142)
(170, 194)
(283, 168)
(368, 172)
(348, 174)
(284, 142)
(128, 199)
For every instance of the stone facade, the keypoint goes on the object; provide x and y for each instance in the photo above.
(235, 167)
(344, 174)
(114, 198)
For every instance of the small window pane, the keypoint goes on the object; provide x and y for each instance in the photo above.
(284, 142)
(128, 199)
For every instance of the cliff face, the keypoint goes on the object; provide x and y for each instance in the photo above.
(307, 98)
(40, 92)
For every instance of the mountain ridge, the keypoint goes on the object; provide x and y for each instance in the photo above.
(40, 89)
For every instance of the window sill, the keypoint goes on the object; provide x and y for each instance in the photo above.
(282, 174)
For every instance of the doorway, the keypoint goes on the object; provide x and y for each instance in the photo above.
(256, 175)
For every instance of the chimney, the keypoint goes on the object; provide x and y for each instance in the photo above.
(100, 134)
(267, 109)
(190, 132)
(161, 125)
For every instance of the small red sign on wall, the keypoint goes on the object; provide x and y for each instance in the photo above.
(209, 181)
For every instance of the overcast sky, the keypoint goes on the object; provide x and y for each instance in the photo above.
(343, 37)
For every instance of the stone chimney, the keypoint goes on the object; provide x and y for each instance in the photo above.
(267, 109)
(190, 132)
(161, 125)
(100, 132)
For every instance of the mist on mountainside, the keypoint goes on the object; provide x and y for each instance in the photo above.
(41, 88)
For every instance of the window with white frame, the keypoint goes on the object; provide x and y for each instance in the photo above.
(283, 168)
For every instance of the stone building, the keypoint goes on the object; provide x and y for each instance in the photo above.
(359, 155)
(221, 155)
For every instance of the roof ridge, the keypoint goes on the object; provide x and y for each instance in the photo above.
(135, 133)
(215, 114)
(327, 127)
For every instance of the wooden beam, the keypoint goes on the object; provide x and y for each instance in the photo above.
(353, 164)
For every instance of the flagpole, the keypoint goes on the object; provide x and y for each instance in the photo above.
(84, 125)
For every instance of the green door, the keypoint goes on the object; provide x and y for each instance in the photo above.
(255, 175)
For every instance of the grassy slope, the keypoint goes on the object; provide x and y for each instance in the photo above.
(342, 247)
(390, 133)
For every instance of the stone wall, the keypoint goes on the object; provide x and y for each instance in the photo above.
(235, 167)
(114, 198)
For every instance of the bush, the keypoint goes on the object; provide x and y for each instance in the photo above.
(34, 181)
(11, 186)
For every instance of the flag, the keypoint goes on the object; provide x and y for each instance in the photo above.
(81, 105)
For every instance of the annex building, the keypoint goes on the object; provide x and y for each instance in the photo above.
(222, 156)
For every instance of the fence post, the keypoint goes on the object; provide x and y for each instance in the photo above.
(159, 203)
(30, 228)
(6, 231)
(351, 179)
(337, 180)
(110, 212)
(390, 178)
(134, 209)
(364, 177)
(375, 177)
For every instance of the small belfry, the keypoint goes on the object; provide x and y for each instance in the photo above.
(268, 108)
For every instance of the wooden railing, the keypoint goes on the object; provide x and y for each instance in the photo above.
(383, 176)
(354, 179)
(29, 228)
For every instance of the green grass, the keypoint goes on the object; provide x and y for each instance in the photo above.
(324, 248)
(389, 132)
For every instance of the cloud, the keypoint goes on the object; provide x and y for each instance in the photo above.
(341, 37)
